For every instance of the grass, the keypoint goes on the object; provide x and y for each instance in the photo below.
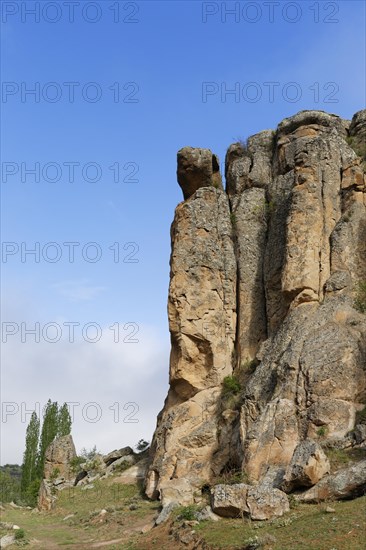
(230, 477)
(340, 458)
(126, 510)
(305, 527)
(309, 527)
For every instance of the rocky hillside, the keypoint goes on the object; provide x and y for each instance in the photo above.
(267, 317)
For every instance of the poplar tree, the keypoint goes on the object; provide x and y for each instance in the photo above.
(29, 467)
(64, 421)
(48, 433)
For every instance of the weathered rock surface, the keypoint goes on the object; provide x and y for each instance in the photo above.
(117, 454)
(197, 168)
(259, 502)
(134, 474)
(58, 456)
(46, 498)
(264, 504)
(230, 500)
(202, 319)
(262, 288)
(206, 514)
(308, 465)
(7, 540)
(347, 483)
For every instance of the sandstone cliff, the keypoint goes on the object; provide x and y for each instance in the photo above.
(268, 349)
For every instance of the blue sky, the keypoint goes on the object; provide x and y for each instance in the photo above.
(166, 59)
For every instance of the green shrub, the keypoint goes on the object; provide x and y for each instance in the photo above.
(54, 474)
(322, 431)
(231, 385)
(19, 534)
(75, 464)
(188, 512)
(358, 146)
(360, 300)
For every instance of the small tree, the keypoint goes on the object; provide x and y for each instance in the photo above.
(9, 487)
(29, 469)
(89, 454)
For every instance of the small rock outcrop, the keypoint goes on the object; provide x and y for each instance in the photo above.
(262, 304)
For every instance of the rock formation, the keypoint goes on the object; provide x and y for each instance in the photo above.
(261, 304)
(57, 473)
(58, 457)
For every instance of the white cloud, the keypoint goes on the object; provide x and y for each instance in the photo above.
(78, 290)
(110, 375)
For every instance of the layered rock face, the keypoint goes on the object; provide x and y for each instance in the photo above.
(262, 289)
(58, 457)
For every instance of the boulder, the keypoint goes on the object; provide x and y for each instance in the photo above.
(7, 540)
(308, 465)
(165, 513)
(122, 462)
(197, 168)
(206, 514)
(134, 474)
(81, 475)
(347, 483)
(116, 454)
(258, 501)
(230, 500)
(264, 504)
